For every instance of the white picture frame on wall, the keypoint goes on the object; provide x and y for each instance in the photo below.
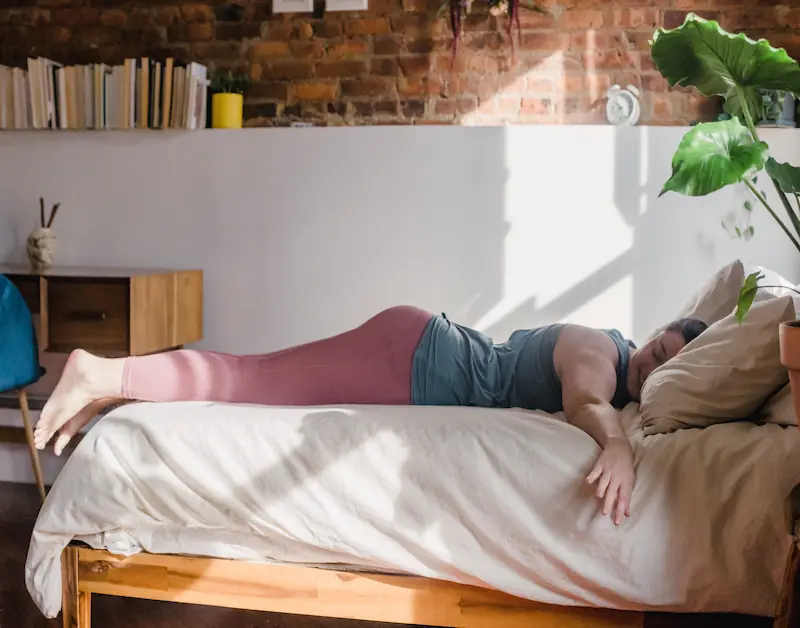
(346, 5)
(292, 6)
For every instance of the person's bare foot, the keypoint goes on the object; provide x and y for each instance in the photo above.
(86, 378)
(76, 423)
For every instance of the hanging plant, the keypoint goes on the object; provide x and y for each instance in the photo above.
(458, 9)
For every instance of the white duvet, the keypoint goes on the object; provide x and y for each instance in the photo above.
(495, 498)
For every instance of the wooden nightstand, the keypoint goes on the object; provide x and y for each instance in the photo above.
(112, 312)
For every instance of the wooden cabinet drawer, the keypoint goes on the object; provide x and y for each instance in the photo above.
(88, 313)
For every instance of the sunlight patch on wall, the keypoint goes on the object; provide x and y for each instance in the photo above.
(612, 308)
(526, 94)
(567, 239)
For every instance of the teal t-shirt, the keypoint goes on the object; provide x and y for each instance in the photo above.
(456, 365)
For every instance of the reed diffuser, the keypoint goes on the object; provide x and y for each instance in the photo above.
(42, 240)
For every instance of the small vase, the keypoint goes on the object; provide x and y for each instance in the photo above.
(226, 111)
(41, 248)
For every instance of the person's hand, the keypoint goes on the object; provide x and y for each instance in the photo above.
(614, 474)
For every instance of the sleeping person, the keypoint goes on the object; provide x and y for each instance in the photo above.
(406, 356)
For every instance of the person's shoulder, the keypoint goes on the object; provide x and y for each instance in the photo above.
(581, 342)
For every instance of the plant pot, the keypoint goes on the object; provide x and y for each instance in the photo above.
(226, 111)
(41, 248)
(789, 338)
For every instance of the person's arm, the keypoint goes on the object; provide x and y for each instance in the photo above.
(588, 381)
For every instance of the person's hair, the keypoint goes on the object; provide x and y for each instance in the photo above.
(689, 328)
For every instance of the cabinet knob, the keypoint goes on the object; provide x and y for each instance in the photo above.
(86, 315)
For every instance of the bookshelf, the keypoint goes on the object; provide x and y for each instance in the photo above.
(140, 93)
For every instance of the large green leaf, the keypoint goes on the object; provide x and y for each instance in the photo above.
(700, 54)
(787, 176)
(712, 155)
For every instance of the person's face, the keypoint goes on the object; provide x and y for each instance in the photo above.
(644, 361)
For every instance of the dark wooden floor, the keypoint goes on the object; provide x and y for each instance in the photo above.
(18, 507)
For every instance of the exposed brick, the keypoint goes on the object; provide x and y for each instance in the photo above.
(610, 59)
(221, 51)
(544, 41)
(197, 13)
(415, 66)
(385, 67)
(307, 50)
(232, 12)
(408, 21)
(314, 90)
(276, 32)
(370, 26)
(386, 107)
(327, 30)
(162, 16)
(288, 70)
(348, 50)
(268, 91)
(263, 110)
(94, 36)
(341, 69)
(654, 83)
(536, 106)
(113, 17)
(418, 86)
(393, 63)
(202, 31)
(374, 86)
(386, 46)
(535, 20)
(237, 30)
(582, 19)
(265, 51)
(420, 46)
(638, 18)
(413, 108)
(662, 106)
(416, 6)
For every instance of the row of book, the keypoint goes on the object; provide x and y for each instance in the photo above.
(139, 94)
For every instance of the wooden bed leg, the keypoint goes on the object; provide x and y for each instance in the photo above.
(34, 453)
(76, 606)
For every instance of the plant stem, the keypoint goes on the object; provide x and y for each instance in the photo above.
(761, 198)
(787, 206)
(748, 117)
(782, 287)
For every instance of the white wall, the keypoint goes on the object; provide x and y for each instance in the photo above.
(305, 232)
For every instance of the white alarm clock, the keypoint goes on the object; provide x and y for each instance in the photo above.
(623, 107)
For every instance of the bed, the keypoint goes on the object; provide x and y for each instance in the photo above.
(435, 516)
(464, 517)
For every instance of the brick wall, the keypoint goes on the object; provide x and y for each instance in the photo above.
(393, 64)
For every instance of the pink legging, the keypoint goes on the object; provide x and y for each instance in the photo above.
(370, 364)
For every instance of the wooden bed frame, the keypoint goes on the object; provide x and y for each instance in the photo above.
(340, 594)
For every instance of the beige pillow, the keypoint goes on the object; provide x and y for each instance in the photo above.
(725, 374)
(718, 296)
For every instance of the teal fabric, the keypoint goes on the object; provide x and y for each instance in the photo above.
(19, 351)
(456, 365)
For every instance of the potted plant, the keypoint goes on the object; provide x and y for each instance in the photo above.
(777, 109)
(227, 100)
(712, 155)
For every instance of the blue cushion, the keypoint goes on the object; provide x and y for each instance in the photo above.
(19, 350)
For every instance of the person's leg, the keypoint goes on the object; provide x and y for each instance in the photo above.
(370, 364)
